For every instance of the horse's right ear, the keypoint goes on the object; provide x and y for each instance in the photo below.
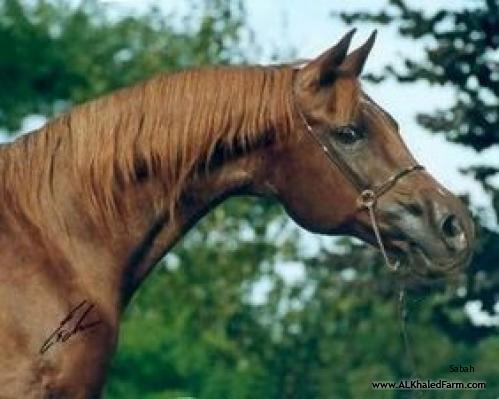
(322, 70)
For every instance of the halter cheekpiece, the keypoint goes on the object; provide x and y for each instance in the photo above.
(368, 195)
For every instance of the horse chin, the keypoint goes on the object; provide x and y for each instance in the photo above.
(425, 267)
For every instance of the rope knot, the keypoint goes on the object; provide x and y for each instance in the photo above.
(367, 199)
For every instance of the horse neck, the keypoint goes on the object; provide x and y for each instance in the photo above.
(149, 232)
(157, 232)
(102, 261)
(108, 255)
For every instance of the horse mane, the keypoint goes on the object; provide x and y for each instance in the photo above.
(166, 126)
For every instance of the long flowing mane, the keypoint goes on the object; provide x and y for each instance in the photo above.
(166, 126)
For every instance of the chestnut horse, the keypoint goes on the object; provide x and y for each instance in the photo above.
(91, 201)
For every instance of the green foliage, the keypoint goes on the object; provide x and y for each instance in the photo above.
(218, 318)
(327, 335)
(53, 55)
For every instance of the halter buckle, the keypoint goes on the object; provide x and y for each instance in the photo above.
(367, 199)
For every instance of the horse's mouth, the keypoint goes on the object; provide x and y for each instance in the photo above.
(416, 261)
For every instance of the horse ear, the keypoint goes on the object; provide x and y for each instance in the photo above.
(322, 70)
(354, 63)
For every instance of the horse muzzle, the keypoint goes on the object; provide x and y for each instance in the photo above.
(434, 231)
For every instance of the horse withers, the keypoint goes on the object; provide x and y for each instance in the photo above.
(92, 201)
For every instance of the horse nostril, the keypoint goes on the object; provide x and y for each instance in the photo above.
(453, 232)
(451, 226)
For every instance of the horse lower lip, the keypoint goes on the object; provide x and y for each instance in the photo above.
(432, 265)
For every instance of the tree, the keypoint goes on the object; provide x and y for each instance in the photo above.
(54, 55)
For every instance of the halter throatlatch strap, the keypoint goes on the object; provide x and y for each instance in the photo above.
(369, 196)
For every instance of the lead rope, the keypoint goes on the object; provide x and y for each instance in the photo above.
(367, 199)
(402, 313)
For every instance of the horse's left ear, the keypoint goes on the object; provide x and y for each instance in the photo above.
(354, 62)
(322, 70)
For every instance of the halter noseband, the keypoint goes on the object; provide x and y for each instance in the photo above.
(368, 196)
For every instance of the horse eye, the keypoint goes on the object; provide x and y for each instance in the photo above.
(348, 135)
